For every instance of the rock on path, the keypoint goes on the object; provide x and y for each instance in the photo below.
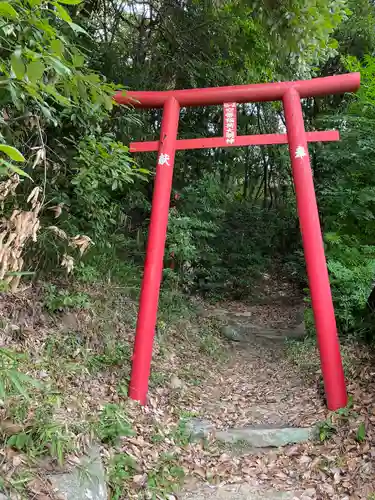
(87, 482)
(257, 436)
(238, 492)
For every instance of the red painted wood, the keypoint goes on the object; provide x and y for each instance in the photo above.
(241, 93)
(241, 140)
(149, 298)
(290, 93)
(320, 291)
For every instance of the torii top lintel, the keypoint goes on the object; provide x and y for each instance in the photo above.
(339, 84)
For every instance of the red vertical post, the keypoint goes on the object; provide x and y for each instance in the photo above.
(148, 302)
(324, 315)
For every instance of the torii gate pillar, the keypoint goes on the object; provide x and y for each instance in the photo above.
(290, 93)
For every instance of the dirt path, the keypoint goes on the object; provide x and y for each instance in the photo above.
(259, 387)
(258, 383)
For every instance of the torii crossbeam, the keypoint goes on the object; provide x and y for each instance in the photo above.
(290, 93)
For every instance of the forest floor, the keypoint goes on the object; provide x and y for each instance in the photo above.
(266, 382)
(76, 345)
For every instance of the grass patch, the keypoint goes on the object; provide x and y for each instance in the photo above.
(16, 484)
(69, 346)
(69, 352)
(53, 420)
(190, 375)
(32, 427)
(209, 342)
(181, 434)
(12, 380)
(45, 437)
(113, 424)
(164, 479)
(305, 355)
(174, 306)
(104, 264)
(113, 354)
(122, 468)
(166, 475)
(158, 379)
(340, 418)
(56, 299)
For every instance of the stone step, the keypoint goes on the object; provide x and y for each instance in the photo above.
(239, 492)
(243, 333)
(266, 436)
(87, 482)
(256, 436)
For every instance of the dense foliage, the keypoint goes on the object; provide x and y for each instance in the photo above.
(64, 143)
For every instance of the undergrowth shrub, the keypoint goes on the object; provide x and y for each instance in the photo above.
(59, 299)
(305, 355)
(13, 381)
(222, 244)
(113, 424)
(103, 171)
(352, 270)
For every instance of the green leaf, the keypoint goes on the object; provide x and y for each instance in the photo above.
(12, 152)
(58, 97)
(8, 353)
(7, 11)
(78, 29)
(92, 78)
(59, 67)
(57, 47)
(78, 60)
(35, 71)
(21, 440)
(14, 169)
(82, 90)
(29, 380)
(70, 2)
(361, 432)
(12, 440)
(59, 453)
(14, 92)
(19, 171)
(13, 376)
(108, 102)
(3, 392)
(47, 113)
(17, 66)
(62, 13)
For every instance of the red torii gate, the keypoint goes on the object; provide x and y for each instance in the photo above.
(290, 93)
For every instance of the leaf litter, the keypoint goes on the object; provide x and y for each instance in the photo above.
(238, 386)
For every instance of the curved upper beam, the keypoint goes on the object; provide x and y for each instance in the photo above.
(339, 84)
